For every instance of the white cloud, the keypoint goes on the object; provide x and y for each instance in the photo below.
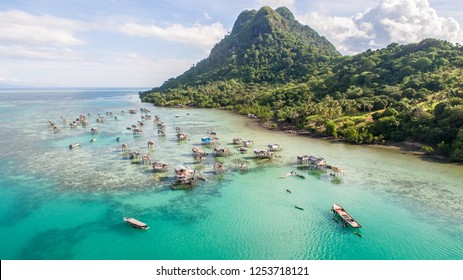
(45, 53)
(401, 21)
(201, 36)
(5, 77)
(24, 28)
(133, 55)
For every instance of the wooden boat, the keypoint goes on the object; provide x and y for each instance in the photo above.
(287, 174)
(75, 145)
(136, 223)
(346, 218)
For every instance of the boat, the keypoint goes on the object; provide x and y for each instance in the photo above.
(346, 218)
(206, 140)
(297, 207)
(287, 174)
(136, 223)
(75, 145)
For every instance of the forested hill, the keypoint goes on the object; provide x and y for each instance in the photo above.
(284, 72)
(263, 46)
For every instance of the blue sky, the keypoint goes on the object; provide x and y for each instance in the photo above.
(141, 43)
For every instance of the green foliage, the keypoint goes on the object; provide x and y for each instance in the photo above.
(331, 129)
(279, 70)
(457, 147)
(427, 149)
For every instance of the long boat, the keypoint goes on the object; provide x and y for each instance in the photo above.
(136, 223)
(346, 218)
(74, 145)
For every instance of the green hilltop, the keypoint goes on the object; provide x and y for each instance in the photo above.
(285, 73)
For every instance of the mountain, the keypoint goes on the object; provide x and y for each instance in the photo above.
(286, 74)
(264, 46)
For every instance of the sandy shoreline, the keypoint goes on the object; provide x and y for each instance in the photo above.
(405, 147)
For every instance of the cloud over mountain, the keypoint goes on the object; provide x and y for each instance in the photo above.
(401, 21)
(202, 36)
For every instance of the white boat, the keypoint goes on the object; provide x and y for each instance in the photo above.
(136, 223)
(287, 174)
(75, 145)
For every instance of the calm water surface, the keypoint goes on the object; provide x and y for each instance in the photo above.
(61, 203)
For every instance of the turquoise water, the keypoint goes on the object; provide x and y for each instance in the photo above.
(61, 203)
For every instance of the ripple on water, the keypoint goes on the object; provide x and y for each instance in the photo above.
(234, 215)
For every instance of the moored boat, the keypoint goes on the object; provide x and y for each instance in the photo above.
(287, 174)
(136, 223)
(75, 145)
(346, 218)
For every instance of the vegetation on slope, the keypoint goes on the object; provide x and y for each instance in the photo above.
(282, 71)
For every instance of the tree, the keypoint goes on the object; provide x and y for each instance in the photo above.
(331, 129)
(456, 153)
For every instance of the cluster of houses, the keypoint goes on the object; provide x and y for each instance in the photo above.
(319, 163)
(185, 177)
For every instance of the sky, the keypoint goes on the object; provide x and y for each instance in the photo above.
(142, 43)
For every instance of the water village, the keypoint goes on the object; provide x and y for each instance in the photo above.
(209, 151)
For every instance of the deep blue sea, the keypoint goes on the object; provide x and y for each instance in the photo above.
(59, 203)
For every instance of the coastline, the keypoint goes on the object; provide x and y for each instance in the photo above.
(404, 147)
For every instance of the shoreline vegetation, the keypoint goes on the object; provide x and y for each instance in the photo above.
(284, 73)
